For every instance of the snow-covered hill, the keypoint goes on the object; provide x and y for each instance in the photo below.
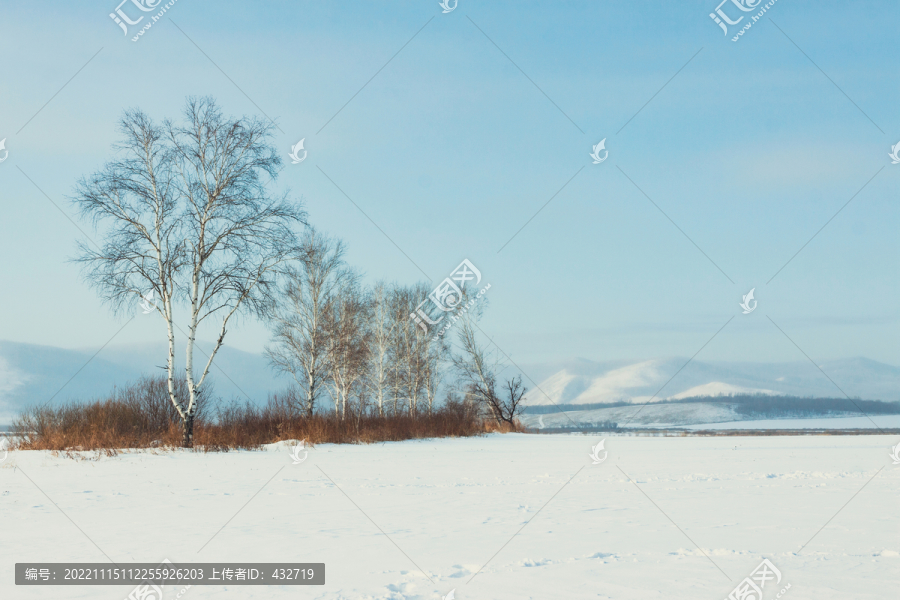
(587, 382)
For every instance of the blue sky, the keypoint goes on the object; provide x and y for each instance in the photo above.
(748, 148)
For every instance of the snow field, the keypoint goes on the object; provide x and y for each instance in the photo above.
(623, 529)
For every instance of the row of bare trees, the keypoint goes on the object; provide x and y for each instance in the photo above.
(350, 345)
(188, 218)
(357, 348)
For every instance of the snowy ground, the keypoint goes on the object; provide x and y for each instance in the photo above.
(882, 421)
(697, 415)
(823, 509)
(649, 415)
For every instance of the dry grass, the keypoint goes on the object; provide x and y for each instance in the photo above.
(141, 416)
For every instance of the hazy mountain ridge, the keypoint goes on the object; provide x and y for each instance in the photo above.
(31, 374)
(587, 382)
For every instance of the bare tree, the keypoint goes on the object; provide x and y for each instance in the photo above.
(504, 410)
(190, 217)
(347, 342)
(510, 407)
(383, 333)
(398, 303)
(407, 360)
(435, 352)
(411, 348)
(300, 344)
(476, 365)
(479, 367)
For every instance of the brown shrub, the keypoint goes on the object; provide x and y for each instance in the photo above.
(142, 416)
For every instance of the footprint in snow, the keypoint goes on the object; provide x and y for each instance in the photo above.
(535, 563)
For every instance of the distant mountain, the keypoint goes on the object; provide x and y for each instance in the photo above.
(587, 382)
(33, 375)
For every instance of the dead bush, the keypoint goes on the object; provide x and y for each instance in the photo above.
(142, 416)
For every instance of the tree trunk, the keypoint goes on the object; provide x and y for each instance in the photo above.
(310, 393)
(187, 429)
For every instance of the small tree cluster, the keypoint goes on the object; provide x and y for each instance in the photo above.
(355, 347)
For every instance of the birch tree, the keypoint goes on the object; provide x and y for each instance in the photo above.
(189, 216)
(435, 352)
(300, 332)
(417, 357)
(348, 343)
(383, 332)
(426, 352)
(408, 356)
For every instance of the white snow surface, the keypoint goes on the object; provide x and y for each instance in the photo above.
(651, 415)
(417, 519)
(698, 415)
(873, 422)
